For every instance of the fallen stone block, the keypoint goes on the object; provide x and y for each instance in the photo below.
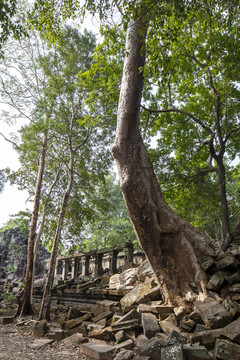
(56, 335)
(134, 295)
(120, 336)
(70, 324)
(127, 345)
(150, 325)
(228, 261)
(103, 334)
(7, 320)
(198, 352)
(217, 280)
(213, 314)
(144, 308)
(233, 278)
(75, 339)
(130, 315)
(151, 348)
(167, 327)
(187, 324)
(232, 331)
(98, 351)
(207, 338)
(126, 325)
(175, 338)
(140, 340)
(40, 329)
(40, 343)
(124, 355)
(172, 352)
(74, 313)
(162, 309)
(104, 315)
(226, 350)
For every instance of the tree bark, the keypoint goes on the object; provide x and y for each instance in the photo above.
(25, 304)
(226, 234)
(173, 247)
(46, 300)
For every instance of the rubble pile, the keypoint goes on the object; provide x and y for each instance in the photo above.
(137, 325)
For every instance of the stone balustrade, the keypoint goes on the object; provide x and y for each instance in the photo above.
(97, 262)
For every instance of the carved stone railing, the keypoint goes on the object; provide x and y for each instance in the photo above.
(95, 263)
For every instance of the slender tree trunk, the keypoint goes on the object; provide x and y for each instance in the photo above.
(224, 205)
(173, 247)
(46, 300)
(40, 231)
(25, 305)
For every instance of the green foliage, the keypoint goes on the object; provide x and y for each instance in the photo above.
(19, 221)
(110, 224)
(10, 22)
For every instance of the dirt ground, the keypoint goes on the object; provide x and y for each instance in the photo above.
(15, 344)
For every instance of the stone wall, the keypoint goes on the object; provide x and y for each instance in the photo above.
(13, 253)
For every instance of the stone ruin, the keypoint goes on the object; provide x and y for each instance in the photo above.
(121, 315)
(13, 254)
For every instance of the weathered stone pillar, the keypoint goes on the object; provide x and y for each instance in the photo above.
(85, 265)
(64, 269)
(56, 267)
(98, 265)
(74, 268)
(129, 253)
(113, 262)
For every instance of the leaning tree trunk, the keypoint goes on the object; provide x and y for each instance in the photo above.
(173, 247)
(46, 300)
(25, 305)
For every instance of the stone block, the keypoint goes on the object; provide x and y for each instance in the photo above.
(168, 327)
(198, 352)
(130, 315)
(98, 351)
(140, 340)
(70, 324)
(7, 320)
(40, 343)
(213, 314)
(75, 339)
(233, 278)
(74, 313)
(232, 331)
(150, 325)
(151, 348)
(102, 334)
(217, 280)
(127, 345)
(228, 261)
(136, 293)
(226, 350)
(120, 336)
(172, 352)
(126, 325)
(187, 324)
(162, 309)
(124, 355)
(144, 308)
(175, 338)
(40, 329)
(104, 315)
(56, 335)
(207, 338)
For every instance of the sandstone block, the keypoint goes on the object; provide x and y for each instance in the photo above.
(75, 339)
(195, 352)
(213, 314)
(40, 343)
(150, 325)
(172, 352)
(232, 331)
(151, 348)
(98, 351)
(124, 355)
(226, 350)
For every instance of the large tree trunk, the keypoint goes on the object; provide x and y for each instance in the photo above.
(25, 305)
(173, 247)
